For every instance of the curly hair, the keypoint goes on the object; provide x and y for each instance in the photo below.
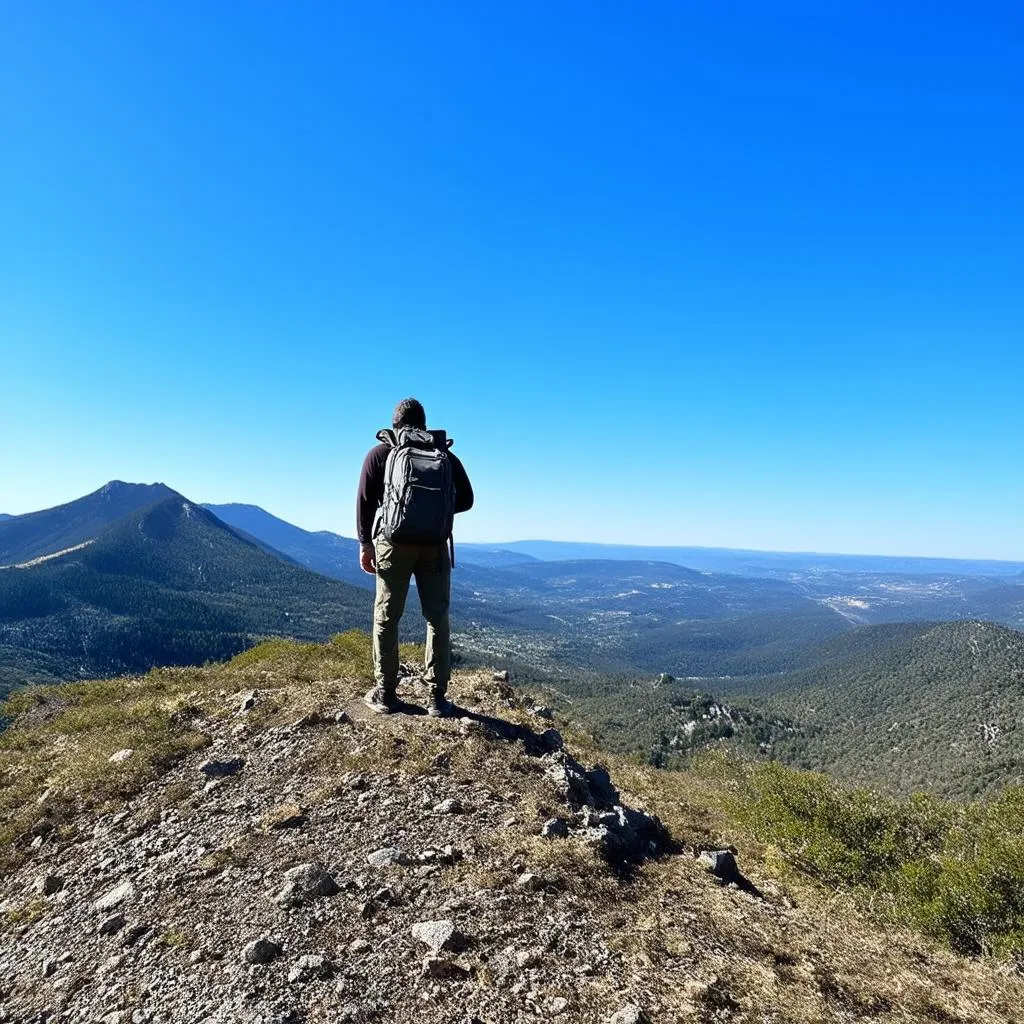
(409, 413)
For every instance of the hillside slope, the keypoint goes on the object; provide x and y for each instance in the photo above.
(36, 534)
(322, 551)
(244, 843)
(930, 707)
(167, 584)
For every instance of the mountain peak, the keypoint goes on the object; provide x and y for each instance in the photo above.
(36, 534)
(117, 489)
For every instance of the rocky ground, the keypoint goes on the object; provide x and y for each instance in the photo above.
(311, 862)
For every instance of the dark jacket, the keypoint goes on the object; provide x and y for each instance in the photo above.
(371, 490)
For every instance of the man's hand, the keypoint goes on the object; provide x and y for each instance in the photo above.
(367, 562)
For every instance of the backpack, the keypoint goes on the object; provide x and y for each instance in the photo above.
(419, 489)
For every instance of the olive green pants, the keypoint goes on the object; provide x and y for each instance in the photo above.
(397, 564)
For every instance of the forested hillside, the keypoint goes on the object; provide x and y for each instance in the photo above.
(37, 534)
(167, 585)
(940, 711)
(922, 707)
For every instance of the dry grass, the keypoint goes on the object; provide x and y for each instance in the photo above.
(55, 752)
(693, 950)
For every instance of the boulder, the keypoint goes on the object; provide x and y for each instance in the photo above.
(629, 1014)
(111, 925)
(555, 828)
(311, 967)
(214, 769)
(47, 885)
(448, 806)
(305, 883)
(114, 898)
(437, 935)
(386, 857)
(261, 951)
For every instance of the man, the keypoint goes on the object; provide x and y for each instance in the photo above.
(400, 539)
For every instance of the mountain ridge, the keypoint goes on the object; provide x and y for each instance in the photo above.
(246, 842)
(34, 534)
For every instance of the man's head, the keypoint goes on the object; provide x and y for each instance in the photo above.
(409, 413)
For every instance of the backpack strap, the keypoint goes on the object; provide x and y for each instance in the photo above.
(387, 437)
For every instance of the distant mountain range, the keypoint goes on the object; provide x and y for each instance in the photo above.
(634, 609)
(323, 552)
(759, 563)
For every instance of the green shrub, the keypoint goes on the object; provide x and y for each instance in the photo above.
(955, 872)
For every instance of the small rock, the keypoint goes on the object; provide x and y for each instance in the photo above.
(305, 883)
(555, 828)
(135, 933)
(222, 769)
(437, 935)
(262, 951)
(541, 711)
(440, 967)
(558, 1005)
(248, 702)
(722, 864)
(311, 966)
(357, 946)
(342, 718)
(448, 806)
(386, 857)
(530, 882)
(43, 827)
(47, 885)
(49, 968)
(115, 897)
(111, 925)
(285, 816)
(629, 1014)
(121, 755)
(501, 677)
(526, 958)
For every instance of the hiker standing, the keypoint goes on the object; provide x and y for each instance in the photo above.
(410, 488)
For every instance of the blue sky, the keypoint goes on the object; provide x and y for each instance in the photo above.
(720, 274)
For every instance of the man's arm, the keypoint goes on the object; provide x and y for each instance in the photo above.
(463, 488)
(368, 499)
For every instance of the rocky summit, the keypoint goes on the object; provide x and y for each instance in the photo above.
(272, 852)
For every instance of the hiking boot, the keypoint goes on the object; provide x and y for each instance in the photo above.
(440, 707)
(381, 701)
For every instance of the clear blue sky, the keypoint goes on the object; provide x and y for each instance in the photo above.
(726, 274)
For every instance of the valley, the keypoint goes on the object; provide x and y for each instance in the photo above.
(908, 681)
